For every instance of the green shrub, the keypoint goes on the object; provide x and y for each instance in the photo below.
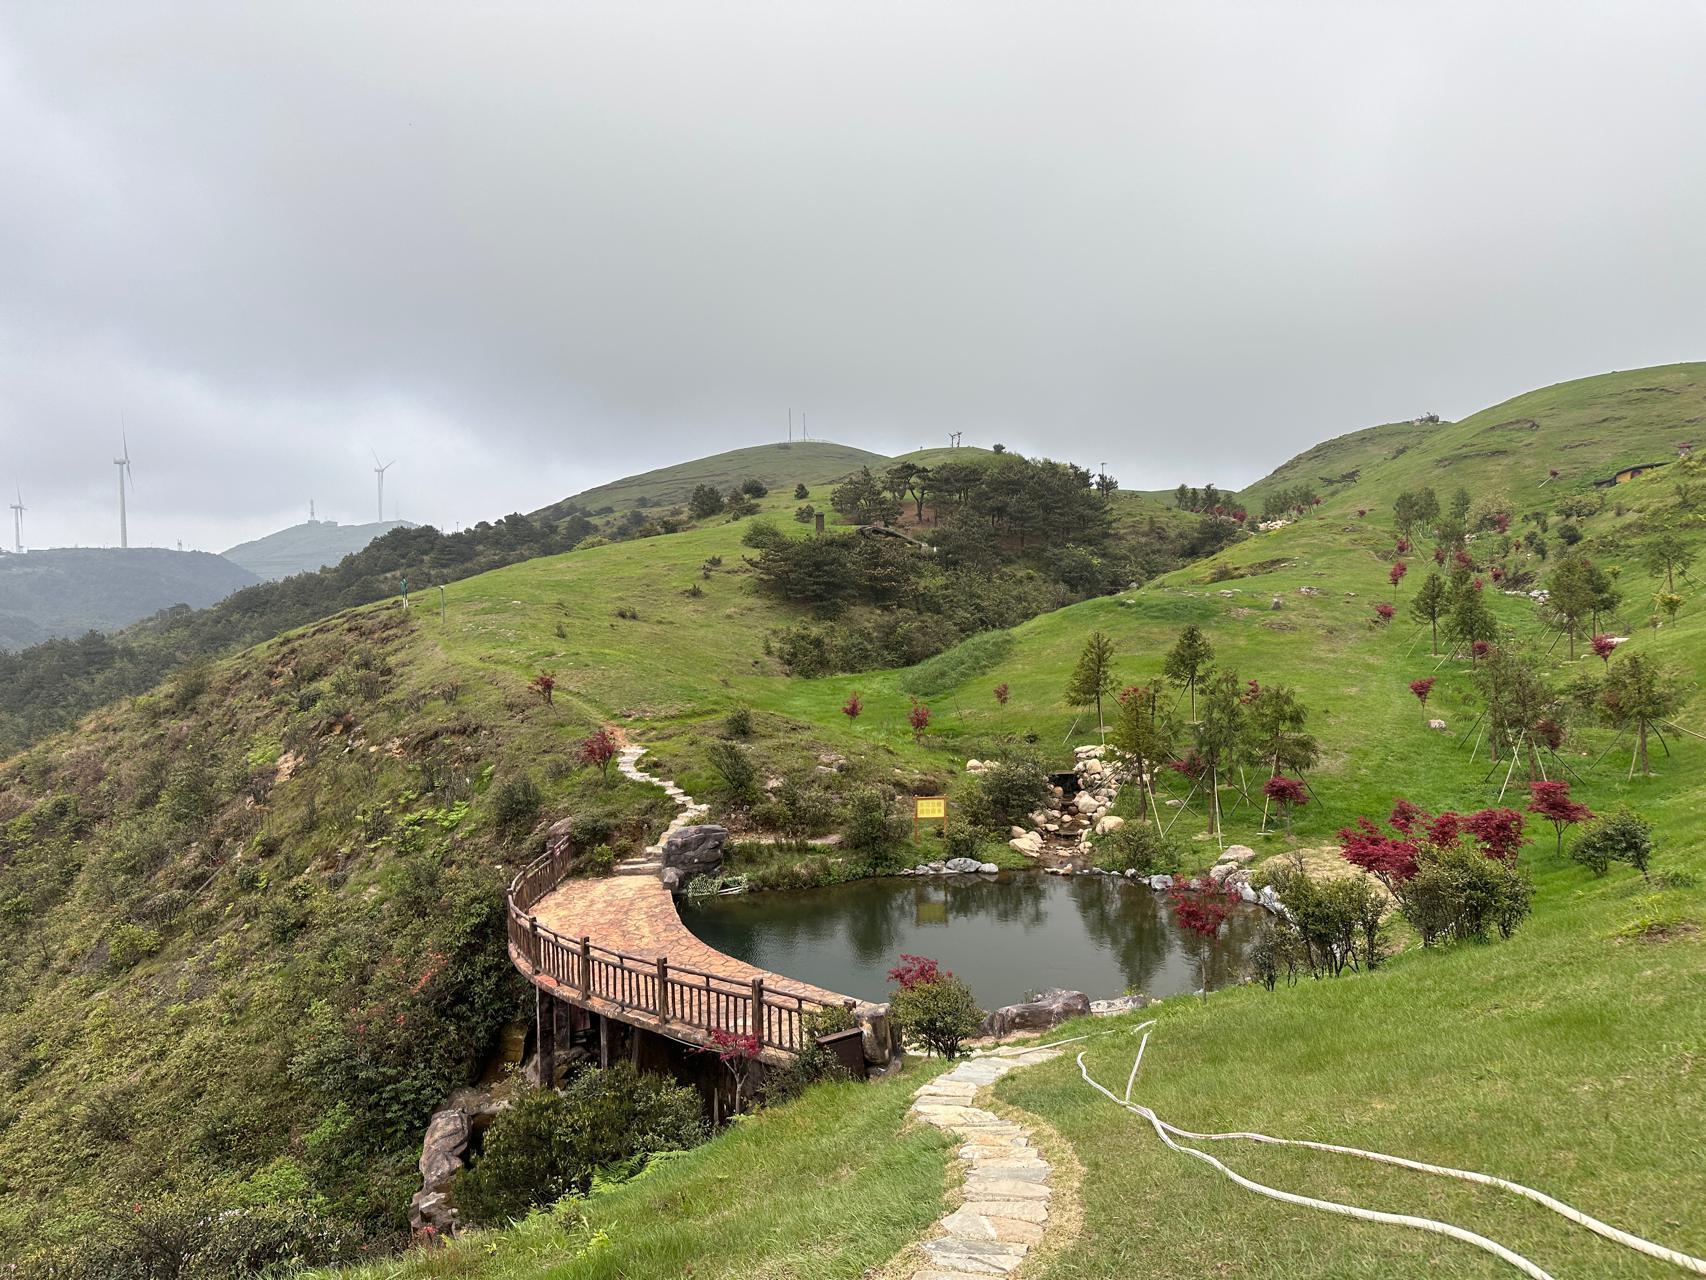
(873, 821)
(515, 804)
(1014, 786)
(1138, 847)
(549, 1143)
(1622, 836)
(194, 1236)
(129, 945)
(1461, 893)
(736, 776)
(960, 839)
(738, 722)
(803, 809)
(940, 1013)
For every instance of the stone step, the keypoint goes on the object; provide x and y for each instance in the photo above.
(636, 867)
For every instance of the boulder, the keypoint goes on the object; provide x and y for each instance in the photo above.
(1239, 853)
(1438, 726)
(673, 878)
(962, 866)
(696, 848)
(987, 868)
(973, 766)
(1162, 881)
(1269, 898)
(1050, 1009)
(1118, 1005)
(1107, 824)
(1220, 870)
(1084, 802)
(442, 1149)
(876, 1032)
(1246, 893)
(1238, 878)
(1018, 833)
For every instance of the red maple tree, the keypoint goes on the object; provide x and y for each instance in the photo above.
(1384, 612)
(1551, 800)
(599, 749)
(1422, 688)
(544, 684)
(919, 719)
(1001, 693)
(1603, 647)
(1201, 906)
(853, 706)
(1396, 574)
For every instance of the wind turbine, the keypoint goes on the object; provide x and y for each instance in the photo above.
(379, 469)
(123, 465)
(18, 523)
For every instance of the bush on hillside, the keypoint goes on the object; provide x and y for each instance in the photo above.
(737, 777)
(705, 502)
(738, 722)
(873, 822)
(549, 1143)
(1459, 893)
(1622, 836)
(1335, 923)
(1012, 787)
(515, 803)
(195, 1236)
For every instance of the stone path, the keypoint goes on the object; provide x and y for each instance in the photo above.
(1006, 1208)
(687, 812)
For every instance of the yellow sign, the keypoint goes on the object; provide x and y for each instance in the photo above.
(930, 807)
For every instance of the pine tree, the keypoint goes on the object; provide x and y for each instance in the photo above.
(1430, 603)
(1188, 662)
(1093, 677)
(1638, 695)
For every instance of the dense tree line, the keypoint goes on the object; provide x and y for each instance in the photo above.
(49, 686)
(1013, 538)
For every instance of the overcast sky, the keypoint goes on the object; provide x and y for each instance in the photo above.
(526, 248)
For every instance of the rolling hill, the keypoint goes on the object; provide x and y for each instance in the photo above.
(775, 465)
(215, 890)
(67, 591)
(305, 547)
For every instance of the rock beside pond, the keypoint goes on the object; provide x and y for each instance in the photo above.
(695, 848)
(1050, 1009)
(962, 866)
(987, 868)
(1239, 853)
(1118, 1005)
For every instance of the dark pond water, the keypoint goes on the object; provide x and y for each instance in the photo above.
(1007, 936)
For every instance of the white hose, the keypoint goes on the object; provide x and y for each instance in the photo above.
(1331, 1206)
(1609, 1232)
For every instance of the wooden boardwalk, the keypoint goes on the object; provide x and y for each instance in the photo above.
(617, 948)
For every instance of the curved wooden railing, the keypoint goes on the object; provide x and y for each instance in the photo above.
(689, 1000)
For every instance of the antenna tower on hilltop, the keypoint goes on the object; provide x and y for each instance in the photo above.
(123, 465)
(18, 523)
(379, 469)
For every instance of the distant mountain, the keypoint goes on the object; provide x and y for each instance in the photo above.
(303, 548)
(70, 590)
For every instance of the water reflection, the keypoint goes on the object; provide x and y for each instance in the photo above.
(1006, 936)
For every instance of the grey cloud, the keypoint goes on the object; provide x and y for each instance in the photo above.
(530, 247)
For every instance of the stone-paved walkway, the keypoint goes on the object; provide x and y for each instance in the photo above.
(1006, 1208)
(688, 811)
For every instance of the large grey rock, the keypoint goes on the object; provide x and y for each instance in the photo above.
(696, 848)
(963, 866)
(876, 1032)
(1117, 1005)
(442, 1149)
(1050, 1009)
(1239, 853)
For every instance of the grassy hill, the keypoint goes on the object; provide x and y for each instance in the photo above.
(1585, 429)
(66, 591)
(214, 888)
(308, 546)
(810, 462)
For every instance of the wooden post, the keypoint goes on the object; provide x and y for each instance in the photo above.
(663, 988)
(586, 965)
(755, 1020)
(545, 1036)
(603, 1041)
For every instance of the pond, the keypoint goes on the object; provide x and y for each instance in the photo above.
(1008, 936)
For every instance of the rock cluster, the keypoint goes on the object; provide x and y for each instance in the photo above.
(1084, 814)
(952, 867)
(691, 851)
